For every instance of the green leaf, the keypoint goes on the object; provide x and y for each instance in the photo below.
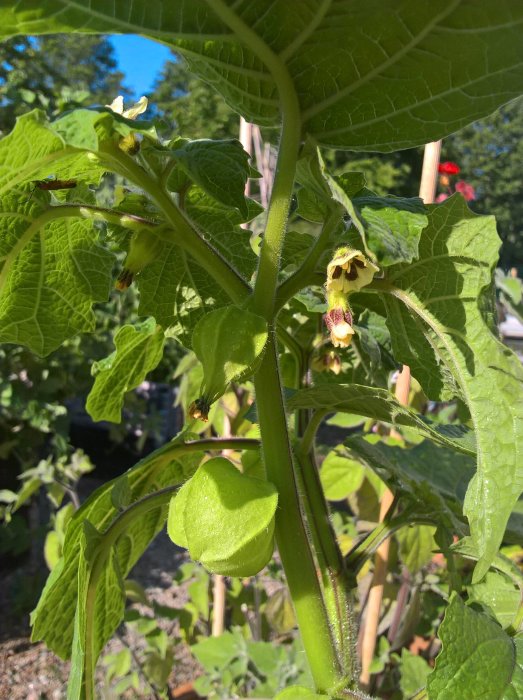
(139, 349)
(121, 493)
(378, 404)
(52, 620)
(176, 290)
(409, 74)
(417, 547)
(393, 226)
(502, 563)
(499, 594)
(217, 652)
(222, 225)
(298, 692)
(478, 659)
(229, 343)
(425, 475)
(339, 475)
(220, 168)
(38, 148)
(52, 271)
(280, 612)
(389, 227)
(97, 617)
(414, 671)
(225, 519)
(436, 316)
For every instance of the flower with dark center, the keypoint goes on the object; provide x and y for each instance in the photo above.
(349, 271)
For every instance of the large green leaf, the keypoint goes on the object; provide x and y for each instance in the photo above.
(444, 471)
(387, 228)
(52, 620)
(37, 148)
(139, 349)
(176, 290)
(379, 404)
(437, 316)
(220, 168)
(368, 75)
(428, 477)
(473, 646)
(52, 271)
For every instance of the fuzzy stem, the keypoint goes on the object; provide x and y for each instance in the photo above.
(291, 533)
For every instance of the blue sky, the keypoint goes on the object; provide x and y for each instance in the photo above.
(140, 59)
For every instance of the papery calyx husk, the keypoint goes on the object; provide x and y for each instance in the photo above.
(144, 248)
(225, 519)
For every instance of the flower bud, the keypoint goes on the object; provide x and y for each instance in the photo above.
(349, 271)
(129, 144)
(143, 250)
(199, 409)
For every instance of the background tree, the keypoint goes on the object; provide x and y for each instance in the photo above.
(56, 73)
(190, 105)
(490, 154)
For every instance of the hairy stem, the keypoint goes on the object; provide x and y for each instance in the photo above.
(335, 582)
(291, 533)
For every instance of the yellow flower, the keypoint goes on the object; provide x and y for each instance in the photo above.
(138, 108)
(329, 362)
(338, 320)
(349, 271)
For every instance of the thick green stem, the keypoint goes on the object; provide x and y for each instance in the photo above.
(291, 534)
(267, 278)
(335, 582)
(294, 543)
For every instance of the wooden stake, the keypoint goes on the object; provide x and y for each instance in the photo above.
(427, 192)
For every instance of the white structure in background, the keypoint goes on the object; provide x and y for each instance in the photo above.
(511, 327)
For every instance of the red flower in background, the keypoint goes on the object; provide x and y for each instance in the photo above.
(466, 190)
(448, 168)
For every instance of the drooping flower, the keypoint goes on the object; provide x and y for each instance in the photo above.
(466, 190)
(441, 198)
(338, 320)
(448, 168)
(130, 143)
(349, 271)
(328, 362)
(133, 112)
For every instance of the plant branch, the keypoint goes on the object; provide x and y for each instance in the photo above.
(336, 585)
(307, 439)
(183, 231)
(267, 277)
(301, 278)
